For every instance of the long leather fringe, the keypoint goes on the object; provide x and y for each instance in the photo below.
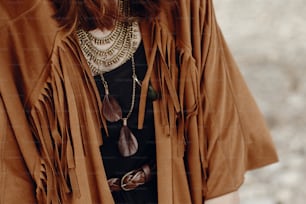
(180, 88)
(55, 130)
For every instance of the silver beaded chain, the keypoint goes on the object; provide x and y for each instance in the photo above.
(133, 92)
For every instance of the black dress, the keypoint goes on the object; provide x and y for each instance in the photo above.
(120, 82)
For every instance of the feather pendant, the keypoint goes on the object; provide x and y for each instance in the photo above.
(127, 143)
(152, 94)
(111, 109)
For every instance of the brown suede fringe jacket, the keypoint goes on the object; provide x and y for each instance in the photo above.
(209, 131)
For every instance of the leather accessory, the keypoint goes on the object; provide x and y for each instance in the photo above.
(131, 180)
(127, 143)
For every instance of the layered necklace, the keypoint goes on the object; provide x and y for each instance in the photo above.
(107, 52)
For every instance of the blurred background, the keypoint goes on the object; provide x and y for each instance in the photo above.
(268, 41)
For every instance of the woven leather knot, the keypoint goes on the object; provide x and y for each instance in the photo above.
(131, 180)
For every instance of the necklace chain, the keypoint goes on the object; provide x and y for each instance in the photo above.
(133, 88)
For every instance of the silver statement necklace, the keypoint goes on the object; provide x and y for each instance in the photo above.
(104, 53)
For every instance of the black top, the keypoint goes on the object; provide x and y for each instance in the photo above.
(120, 86)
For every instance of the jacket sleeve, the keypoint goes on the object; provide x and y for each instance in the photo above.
(237, 138)
(20, 163)
(16, 183)
(17, 148)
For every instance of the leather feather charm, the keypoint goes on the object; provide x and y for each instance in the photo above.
(127, 143)
(111, 110)
(152, 94)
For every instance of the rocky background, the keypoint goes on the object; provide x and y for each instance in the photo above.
(268, 40)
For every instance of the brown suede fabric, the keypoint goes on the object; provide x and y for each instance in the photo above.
(50, 110)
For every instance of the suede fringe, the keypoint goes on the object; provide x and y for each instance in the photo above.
(54, 131)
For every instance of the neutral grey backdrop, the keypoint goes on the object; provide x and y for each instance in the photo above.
(268, 41)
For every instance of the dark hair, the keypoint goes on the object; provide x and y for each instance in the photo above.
(91, 14)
